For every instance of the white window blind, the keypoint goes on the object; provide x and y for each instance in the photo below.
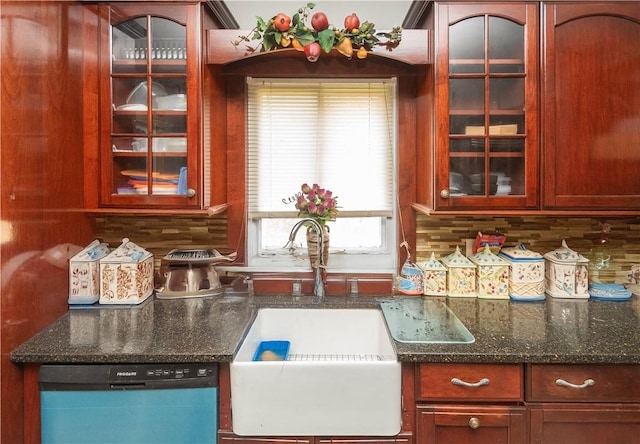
(336, 133)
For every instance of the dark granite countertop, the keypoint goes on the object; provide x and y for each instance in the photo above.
(211, 329)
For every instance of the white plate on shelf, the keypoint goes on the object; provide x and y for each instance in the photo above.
(132, 107)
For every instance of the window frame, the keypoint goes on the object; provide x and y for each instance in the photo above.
(381, 259)
(224, 88)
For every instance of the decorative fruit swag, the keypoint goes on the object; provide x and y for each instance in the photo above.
(283, 31)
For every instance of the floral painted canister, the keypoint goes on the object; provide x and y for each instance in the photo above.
(126, 275)
(84, 273)
(526, 281)
(461, 275)
(492, 274)
(434, 277)
(566, 273)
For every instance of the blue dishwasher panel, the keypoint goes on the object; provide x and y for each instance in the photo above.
(129, 404)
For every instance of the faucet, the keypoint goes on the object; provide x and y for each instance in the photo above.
(318, 289)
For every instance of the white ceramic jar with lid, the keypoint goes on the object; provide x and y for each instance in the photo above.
(566, 273)
(526, 280)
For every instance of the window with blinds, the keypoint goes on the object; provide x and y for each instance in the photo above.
(339, 134)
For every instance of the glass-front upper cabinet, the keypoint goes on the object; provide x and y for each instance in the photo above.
(486, 81)
(150, 138)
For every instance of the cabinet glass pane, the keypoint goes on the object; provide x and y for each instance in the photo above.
(466, 145)
(170, 93)
(507, 175)
(129, 122)
(506, 124)
(466, 94)
(169, 175)
(466, 175)
(466, 46)
(129, 172)
(129, 91)
(502, 145)
(506, 46)
(506, 94)
(168, 46)
(169, 124)
(129, 46)
(467, 124)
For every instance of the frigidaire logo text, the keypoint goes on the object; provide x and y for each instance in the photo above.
(131, 373)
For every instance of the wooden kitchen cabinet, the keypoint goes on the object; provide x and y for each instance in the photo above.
(583, 404)
(150, 153)
(470, 403)
(486, 106)
(591, 105)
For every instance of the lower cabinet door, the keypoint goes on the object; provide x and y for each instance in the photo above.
(560, 423)
(463, 424)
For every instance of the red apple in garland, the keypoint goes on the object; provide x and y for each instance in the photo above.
(351, 22)
(282, 22)
(319, 21)
(312, 51)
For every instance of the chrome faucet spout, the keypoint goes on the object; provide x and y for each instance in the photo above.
(318, 289)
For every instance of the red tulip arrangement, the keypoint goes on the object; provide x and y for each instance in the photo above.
(283, 31)
(317, 203)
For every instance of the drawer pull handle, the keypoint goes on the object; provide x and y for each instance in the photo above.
(585, 384)
(474, 423)
(480, 383)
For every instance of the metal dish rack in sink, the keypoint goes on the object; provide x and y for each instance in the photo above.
(332, 357)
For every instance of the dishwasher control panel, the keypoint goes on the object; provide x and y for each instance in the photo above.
(127, 376)
(160, 372)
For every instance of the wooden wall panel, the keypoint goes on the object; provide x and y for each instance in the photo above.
(41, 188)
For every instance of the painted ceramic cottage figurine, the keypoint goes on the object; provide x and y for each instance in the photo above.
(461, 279)
(492, 274)
(434, 277)
(566, 273)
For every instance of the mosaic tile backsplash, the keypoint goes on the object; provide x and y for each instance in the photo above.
(441, 235)
(437, 234)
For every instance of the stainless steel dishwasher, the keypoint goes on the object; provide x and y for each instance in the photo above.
(151, 403)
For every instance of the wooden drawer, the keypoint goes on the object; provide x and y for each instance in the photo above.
(462, 424)
(470, 382)
(589, 383)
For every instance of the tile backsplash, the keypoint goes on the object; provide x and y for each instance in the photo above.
(438, 234)
(441, 235)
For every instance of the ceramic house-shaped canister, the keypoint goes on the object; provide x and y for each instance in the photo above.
(434, 277)
(126, 275)
(526, 281)
(84, 273)
(566, 273)
(492, 274)
(461, 275)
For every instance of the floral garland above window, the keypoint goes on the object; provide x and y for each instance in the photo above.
(282, 31)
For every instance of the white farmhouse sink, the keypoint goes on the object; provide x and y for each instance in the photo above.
(341, 376)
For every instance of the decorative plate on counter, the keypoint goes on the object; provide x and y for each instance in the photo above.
(609, 292)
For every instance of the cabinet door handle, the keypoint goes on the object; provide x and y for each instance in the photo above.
(480, 383)
(585, 384)
(474, 423)
(444, 194)
(191, 192)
